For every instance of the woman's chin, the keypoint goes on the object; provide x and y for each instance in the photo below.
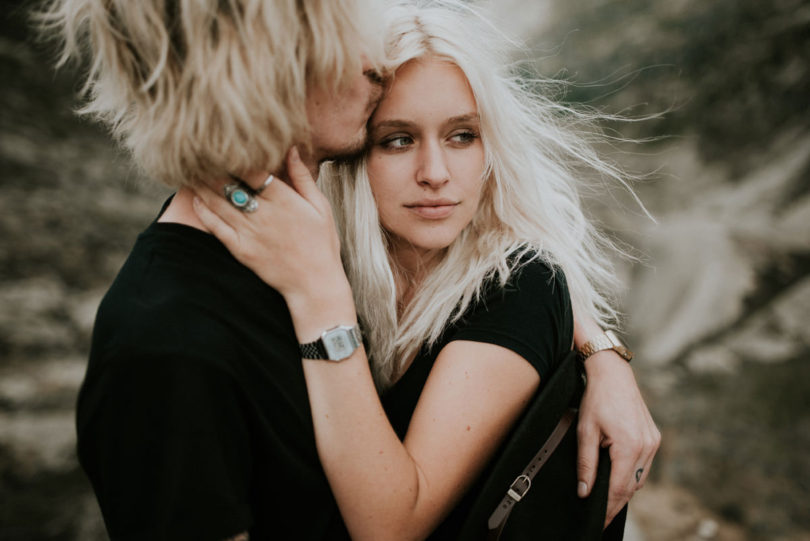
(433, 244)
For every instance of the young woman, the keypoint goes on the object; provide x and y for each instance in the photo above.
(465, 253)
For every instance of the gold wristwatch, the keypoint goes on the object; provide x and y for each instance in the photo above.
(606, 340)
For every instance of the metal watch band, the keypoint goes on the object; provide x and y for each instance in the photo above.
(313, 350)
(335, 344)
(606, 340)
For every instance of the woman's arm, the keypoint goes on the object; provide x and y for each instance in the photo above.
(612, 414)
(388, 489)
(385, 488)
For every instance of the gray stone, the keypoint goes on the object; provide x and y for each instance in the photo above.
(39, 442)
(38, 384)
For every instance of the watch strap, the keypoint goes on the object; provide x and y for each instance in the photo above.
(318, 350)
(602, 342)
(313, 350)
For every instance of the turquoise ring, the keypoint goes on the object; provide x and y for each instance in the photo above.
(240, 197)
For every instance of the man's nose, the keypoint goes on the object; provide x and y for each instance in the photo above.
(433, 171)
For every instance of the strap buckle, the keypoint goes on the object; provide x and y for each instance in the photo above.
(519, 487)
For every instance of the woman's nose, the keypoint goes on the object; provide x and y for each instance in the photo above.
(433, 171)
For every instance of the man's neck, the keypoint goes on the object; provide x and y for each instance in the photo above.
(180, 211)
(312, 160)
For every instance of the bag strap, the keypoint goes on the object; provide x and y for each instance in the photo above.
(523, 482)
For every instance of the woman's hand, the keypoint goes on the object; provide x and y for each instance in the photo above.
(613, 414)
(290, 242)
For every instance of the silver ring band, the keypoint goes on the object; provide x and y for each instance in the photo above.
(265, 184)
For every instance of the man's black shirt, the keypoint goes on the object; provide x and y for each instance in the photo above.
(193, 420)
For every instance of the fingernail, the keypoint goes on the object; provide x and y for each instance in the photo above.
(196, 200)
(294, 154)
(582, 489)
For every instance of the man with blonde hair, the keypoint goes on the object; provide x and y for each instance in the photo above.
(193, 420)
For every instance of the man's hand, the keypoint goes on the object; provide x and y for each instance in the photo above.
(613, 414)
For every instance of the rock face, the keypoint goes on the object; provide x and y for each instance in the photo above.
(70, 207)
(717, 307)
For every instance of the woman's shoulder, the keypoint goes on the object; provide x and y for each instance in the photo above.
(533, 275)
(529, 313)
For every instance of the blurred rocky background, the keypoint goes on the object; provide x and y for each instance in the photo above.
(718, 304)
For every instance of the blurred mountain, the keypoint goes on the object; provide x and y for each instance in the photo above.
(70, 208)
(733, 73)
(720, 303)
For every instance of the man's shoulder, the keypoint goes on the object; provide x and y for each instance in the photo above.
(174, 263)
(176, 274)
(181, 295)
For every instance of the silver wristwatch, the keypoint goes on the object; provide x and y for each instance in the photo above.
(606, 340)
(334, 344)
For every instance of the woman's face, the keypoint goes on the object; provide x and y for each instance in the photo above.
(426, 161)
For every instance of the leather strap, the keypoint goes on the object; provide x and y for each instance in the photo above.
(523, 482)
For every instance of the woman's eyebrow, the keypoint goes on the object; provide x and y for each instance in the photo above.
(461, 119)
(392, 123)
(397, 123)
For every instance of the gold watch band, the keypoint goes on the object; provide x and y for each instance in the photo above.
(606, 340)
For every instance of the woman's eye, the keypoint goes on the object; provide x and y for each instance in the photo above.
(464, 138)
(399, 141)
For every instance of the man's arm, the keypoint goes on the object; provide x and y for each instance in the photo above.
(613, 414)
(161, 438)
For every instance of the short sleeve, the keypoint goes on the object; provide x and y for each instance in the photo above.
(531, 315)
(166, 447)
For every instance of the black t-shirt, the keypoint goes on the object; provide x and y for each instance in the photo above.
(531, 315)
(193, 420)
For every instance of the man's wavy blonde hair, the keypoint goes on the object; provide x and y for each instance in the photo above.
(537, 152)
(199, 88)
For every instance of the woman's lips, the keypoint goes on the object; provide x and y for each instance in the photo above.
(432, 211)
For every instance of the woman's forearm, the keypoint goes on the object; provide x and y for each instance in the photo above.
(386, 488)
(375, 481)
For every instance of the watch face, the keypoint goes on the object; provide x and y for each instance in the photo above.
(338, 344)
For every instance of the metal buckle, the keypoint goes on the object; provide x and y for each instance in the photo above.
(513, 491)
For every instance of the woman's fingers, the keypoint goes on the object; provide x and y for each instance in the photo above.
(630, 465)
(652, 443)
(302, 182)
(622, 483)
(299, 188)
(589, 438)
(217, 203)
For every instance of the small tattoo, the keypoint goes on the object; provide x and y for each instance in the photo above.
(639, 472)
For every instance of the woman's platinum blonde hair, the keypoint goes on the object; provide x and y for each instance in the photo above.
(199, 88)
(537, 152)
